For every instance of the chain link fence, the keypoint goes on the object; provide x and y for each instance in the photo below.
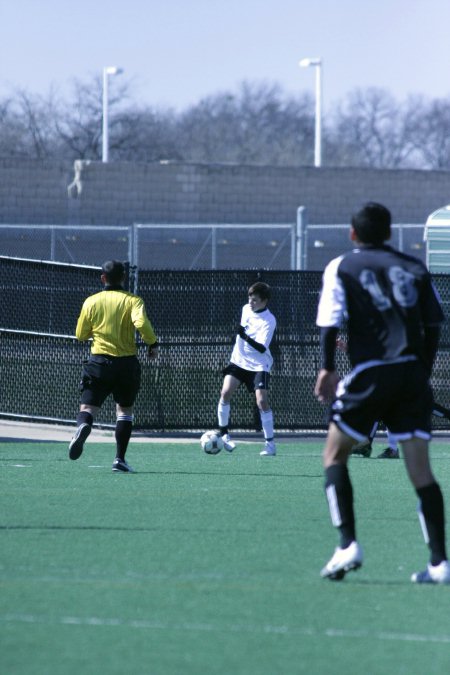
(195, 315)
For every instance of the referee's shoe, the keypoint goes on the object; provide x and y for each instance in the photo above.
(77, 442)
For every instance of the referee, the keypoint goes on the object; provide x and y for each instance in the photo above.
(110, 318)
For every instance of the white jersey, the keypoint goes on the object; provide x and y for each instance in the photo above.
(260, 326)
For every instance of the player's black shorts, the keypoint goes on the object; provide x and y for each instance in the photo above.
(252, 380)
(116, 375)
(397, 394)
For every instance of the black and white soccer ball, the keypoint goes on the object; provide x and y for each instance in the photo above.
(211, 442)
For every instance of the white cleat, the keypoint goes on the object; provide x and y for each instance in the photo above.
(434, 574)
(270, 449)
(344, 560)
(228, 444)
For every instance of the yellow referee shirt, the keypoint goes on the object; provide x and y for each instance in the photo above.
(110, 318)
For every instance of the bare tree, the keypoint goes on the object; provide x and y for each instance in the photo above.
(255, 126)
(371, 129)
(432, 133)
(79, 121)
(26, 127)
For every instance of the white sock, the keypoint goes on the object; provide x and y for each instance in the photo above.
(391, 442)
(267, 423)
(223, 413)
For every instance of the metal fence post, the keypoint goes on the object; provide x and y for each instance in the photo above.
(301, 239)
(213, 247)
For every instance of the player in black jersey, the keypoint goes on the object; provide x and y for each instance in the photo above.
(393, 321)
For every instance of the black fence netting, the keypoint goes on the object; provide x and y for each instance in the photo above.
(195, 315)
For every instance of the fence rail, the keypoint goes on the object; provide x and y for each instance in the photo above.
(286, 246)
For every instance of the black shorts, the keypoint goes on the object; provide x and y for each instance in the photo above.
(116, 375)
(397, 394)
(253, 380)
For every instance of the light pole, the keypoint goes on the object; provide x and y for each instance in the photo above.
(107, 71)
(317, 63)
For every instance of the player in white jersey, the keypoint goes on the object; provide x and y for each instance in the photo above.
(250, 364)
(393, 319)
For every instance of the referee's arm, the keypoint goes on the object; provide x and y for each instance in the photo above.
(142, 323)
(83, 330)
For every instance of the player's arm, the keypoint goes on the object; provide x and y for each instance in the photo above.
(256, 345)
(433, 316)
(327, 378)
(331, 310)
(431, 335)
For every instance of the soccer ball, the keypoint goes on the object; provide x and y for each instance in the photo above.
(211, 442)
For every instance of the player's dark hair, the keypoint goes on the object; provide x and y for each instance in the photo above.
(261, 289)
(114, 271)
(372, 223)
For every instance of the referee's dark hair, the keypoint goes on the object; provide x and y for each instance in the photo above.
(372, 224)
(114, 271)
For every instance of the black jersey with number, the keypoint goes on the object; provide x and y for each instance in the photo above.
(387, 298)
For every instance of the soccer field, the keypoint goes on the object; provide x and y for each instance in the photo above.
(201, 565)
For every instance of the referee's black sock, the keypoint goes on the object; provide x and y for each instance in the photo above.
(432, 519)
(339, 493)
(84, 417)
(124, 426)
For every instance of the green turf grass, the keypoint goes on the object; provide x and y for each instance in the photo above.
(200, 565)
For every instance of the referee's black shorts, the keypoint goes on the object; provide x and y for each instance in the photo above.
(116, 375)
(398, 394)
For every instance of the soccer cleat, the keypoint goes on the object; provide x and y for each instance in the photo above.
(364, 449)
(389, 453)
(434, 574)
(228, 444)
(122, 466)
(270, 449)
(344, 560)
(77, 442)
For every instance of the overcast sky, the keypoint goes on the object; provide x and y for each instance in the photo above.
(178, 51)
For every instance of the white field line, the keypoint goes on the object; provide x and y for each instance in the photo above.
(207, 627)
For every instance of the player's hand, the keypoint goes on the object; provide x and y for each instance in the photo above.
(326, 384)
(152, 352)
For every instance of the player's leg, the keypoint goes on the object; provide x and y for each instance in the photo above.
(229, 386)
(364, 448)
(266, 415)
(391, 452)
(430, 510)
(339, 492)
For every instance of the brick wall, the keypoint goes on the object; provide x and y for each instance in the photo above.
(32, 191)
